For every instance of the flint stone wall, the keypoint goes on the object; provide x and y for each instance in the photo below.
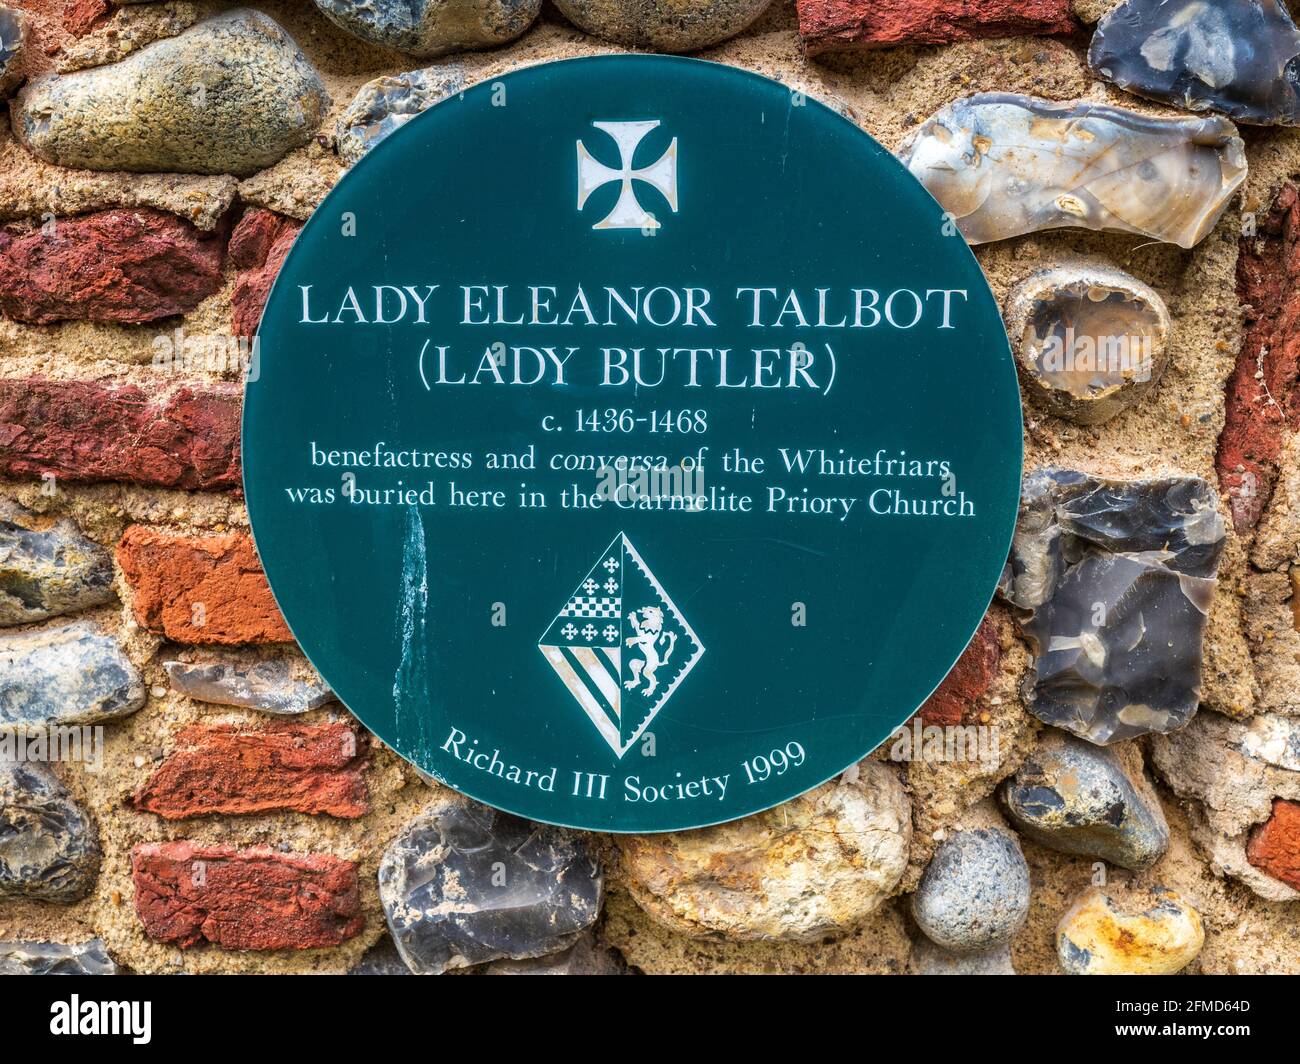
(119, 399)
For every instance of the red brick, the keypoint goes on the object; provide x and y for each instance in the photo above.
(300, 768)
(199, 589)
(252, 238)
(258, 247)
(81, 16)
(969, 679)
(1262, 411)
(187, 893)
(122, 265)
(837, 25)
(90, 431)
(53, 25)
(1275, 845)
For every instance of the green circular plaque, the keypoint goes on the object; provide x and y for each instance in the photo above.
(635, 445)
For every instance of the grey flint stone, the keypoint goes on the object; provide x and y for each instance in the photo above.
(585, 957)
(660, 26)
(381, 959)
(429, 28)
(45, 574)
(49, 848)
(1115, 578)
(56, 958)
(929, 959)
(1077, 798)
(231, 95)
(70, 675)
(1237, 57)
(464, 884)
(13, 40)
(263, 685)
(975, 891)
(387, 103)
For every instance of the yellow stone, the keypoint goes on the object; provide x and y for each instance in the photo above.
(1129, 932)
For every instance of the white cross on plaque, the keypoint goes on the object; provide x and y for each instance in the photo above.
(662, 174)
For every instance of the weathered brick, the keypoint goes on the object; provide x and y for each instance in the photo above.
(258, 247)
(301, 768)
(89, 431)
(199, 589)
(1262, 401)
(54, 25)
(1275, 845)
(81, 16)
(258, 899)
(122, 265)
(836, 25)
(967, 681)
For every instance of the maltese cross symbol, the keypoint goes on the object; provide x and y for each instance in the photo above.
(661, 174)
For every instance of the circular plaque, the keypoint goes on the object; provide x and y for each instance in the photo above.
(635, 444)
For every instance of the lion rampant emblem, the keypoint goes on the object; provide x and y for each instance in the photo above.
(650, 636)
(603, 653)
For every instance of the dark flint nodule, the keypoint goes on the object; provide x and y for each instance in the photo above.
(1237, 57)
(464, 884)
(47, 573)
(49, 848)
(1071, 796)
(1116, 579)
(13, 39)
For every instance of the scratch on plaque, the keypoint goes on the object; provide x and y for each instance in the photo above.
(411, 680)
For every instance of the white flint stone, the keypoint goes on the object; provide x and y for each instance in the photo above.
(1004, 165)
